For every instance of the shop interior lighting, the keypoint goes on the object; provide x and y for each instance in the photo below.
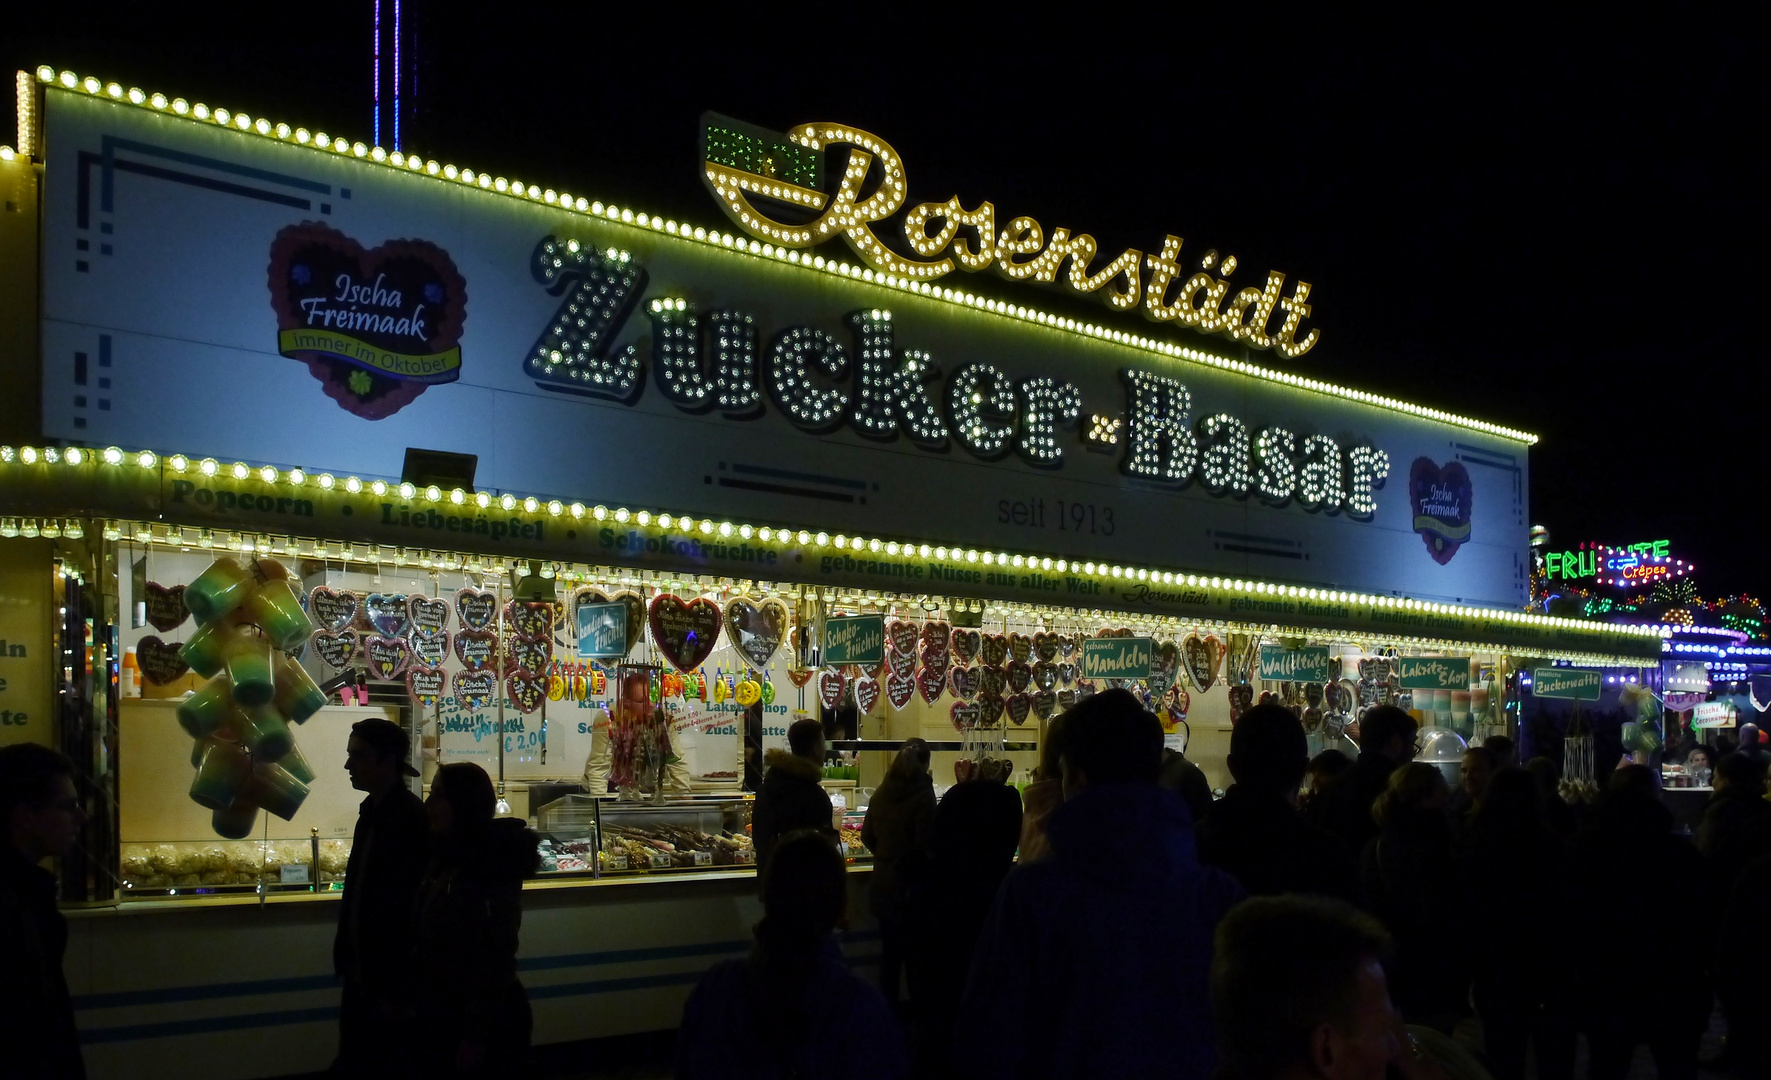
(714, 238)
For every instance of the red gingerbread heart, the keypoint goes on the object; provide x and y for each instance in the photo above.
(902, 636)
(800, 676)
(831, 683)
(166, 610)
(1018, 706)
(935, 634)
(866, 694)
(994, 650)
(1020, 647)
(684, 633)
(1020, 675)
(965, 714)
(930, 682)
(424, 685)
(428, 617)
(430, 651)
(375, 326)
(337, 647)
(900, 688)
(992, 681)
(1045, 702)
(476, 648)
(473, 689)
(936, 660)
(1045, 645)
(333, 610)
(476, 608)
(989, 709)
(387, 657)
(160, 661)
(529, 618)
(531, 653)
(900, 663)
(526, 689)
(963, 682)
(965, 645)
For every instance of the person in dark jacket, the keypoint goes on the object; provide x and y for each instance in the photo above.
(896, 830)
(1104, 948)
(1386, 743)
(791, 797)
(1629, 868)
(373, 948)
(1742, 959)
(1410, 879)
(971, 849)
(43, 814)
(1045, 794)
(1736, 825)
(1516, 869)
(473, 1015)
(1256, 833)
(792, 1008)
(1179, 775)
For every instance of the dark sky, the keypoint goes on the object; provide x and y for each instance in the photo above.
(1561, 235)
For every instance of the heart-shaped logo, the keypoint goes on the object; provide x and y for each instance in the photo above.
(428, 617)
(387, 656)
(1020, 675)
(529, 618)
(992, 680)
(963, 681)
(1045, 645)
(476, 648)
(375, 326)
(866, 694)
(900, 663)
(1241, 700)
(965, 715)
(900, 688)
(965, 645)
(936, 660)
(902, 636)
(831, 683)
(530, 653)
(160, 661)
(476, 608)
(990, 708)
(429, 651)
(632, 602)
(755, 629)
(332, 609)
(799, 676)
(1045, 675)
(387, 613)
(1020, 647)
(337, 647)
(474, 689)
(994, 649)
(1440, 498)
(166, 610)
(1165, 666)
(1044, 704)
(526, 689)
(930, 683)
(935, 635)
(685, 633)
(1202, 656)
(424, 685)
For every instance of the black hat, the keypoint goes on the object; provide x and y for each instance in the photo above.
(388, 738)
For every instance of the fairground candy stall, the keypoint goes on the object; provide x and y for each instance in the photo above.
(603, 501)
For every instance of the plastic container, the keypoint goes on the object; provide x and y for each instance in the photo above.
(249, 668)
(206, 650)
(297, 766)
(207, 709)
(277, 791)
(266, 733)
(218, 590)
(275, 609)
(298, 696)
(234, 822)
(222, 775)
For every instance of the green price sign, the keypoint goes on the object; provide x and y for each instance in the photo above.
(1308, 664)
(1571, 683)
(1116, 657)
(1434, 672)
(854, 639)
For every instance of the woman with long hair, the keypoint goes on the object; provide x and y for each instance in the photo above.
(896, 831)
(475, 1019)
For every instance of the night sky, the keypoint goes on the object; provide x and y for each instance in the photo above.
(1555, 235)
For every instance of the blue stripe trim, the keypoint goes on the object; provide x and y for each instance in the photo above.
(110, 142)
(172, 1028)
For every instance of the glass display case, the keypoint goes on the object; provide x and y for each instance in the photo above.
(603, 835)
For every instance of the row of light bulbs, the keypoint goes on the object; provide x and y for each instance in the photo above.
(270, 475)
(413, 164)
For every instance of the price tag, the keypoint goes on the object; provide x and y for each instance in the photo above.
(744, 857)
(703, 858)
(294, 874)
(614, 862)
(659, 860)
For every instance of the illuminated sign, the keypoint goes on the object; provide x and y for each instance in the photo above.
(745, 165)
(1624, 567)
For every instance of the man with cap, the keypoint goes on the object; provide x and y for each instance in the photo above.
(372, 952)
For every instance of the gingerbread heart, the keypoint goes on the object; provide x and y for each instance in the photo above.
(337, 647)
(632, 602)
(529, 618)
(333, 609)
(799, 676)
(474, 689)
(963, 681)
(1045, 645)
(1241, 700)
(1045, 675)
(965, 645)
(1067, 673)
(160, 661)
(387, 613)
(428, 617)
(685, 633)
(530, 653)
(476, 648)
(476, 608)
(1165, 666)
(166, 610)
(990, 708)
(930, 682)
(900, 663)
(756, 629)
(902, 636)
(526, 689)
(936, 660)
(387, 656)
(424, 685)
(1067, 646)
(1044, 704)
(935, 634)
(965, 714)
(1202, 656)
(1020, 647)
(430, 651)
(992, 680)
(1066, 698)
(831, 683)
(994, 650)
(866, 694)
(899, 689)
(1113, 631)
(1020, 675)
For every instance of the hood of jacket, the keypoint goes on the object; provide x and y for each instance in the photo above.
(789, 765)
(1124, 834)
